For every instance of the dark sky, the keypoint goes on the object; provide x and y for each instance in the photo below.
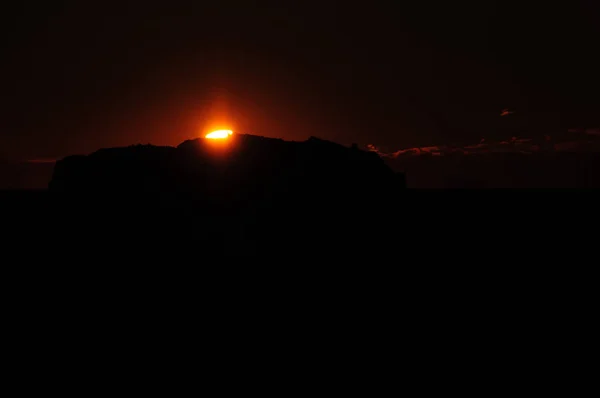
(79, 75)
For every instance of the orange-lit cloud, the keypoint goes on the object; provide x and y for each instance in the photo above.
(588, 131)
(588, 141)
(567, 146)
(41, 161)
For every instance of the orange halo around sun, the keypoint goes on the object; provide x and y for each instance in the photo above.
(219, 134)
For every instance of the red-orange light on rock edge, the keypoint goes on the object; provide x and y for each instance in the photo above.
(219, 135)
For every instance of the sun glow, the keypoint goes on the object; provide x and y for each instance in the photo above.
(219, 134)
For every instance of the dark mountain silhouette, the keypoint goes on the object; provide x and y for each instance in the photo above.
(249, 190)
(251, 165)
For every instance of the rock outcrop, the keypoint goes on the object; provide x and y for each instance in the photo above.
(244, 164)
(259, 186)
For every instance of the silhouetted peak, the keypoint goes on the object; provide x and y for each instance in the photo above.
(189, 143)
(237, 166)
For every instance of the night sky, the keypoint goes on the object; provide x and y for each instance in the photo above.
(80, 75)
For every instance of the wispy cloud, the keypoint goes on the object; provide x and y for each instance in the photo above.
(41, 161)
(593, 131)
(579, 140)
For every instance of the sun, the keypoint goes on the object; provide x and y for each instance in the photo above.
(219, 135)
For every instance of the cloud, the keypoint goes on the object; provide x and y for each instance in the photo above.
(429, 150)
(587, 131)
(588, 143)
(595, 132)
(568, 146)
(41, 161)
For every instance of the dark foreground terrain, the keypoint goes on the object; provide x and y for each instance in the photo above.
(519, 234)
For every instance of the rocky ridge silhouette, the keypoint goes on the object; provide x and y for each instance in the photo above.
(247, 188)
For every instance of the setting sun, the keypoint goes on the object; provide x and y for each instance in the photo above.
(219, 134)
